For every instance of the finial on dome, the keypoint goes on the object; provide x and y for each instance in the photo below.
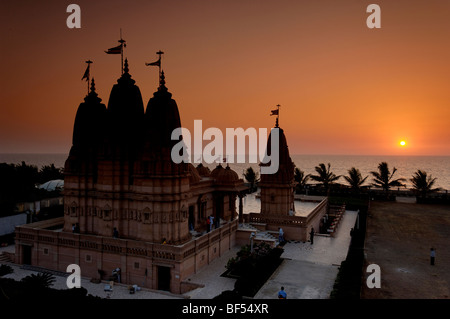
(162, 79)
(162, 83)
(225, 160)
(92, 85)
(92, 96)
(126, 69)
(126, 76)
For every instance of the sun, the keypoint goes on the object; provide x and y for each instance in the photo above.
(402, 143)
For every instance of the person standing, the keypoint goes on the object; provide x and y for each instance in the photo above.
(280, 235)
(432, 256)
(211, 222)
(311, 235)
(282, 294)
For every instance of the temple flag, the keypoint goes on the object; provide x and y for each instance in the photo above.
(115, 50)
(157, 63)
(274, 112)
(86, 73)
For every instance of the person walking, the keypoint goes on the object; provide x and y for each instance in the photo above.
(311, 235)
(432, 256)
(282, 294)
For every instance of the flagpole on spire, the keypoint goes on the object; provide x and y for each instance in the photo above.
(277, 113)
(157, 63)
(122, 45)
(160, 53)
(87, 74)
(118, 50)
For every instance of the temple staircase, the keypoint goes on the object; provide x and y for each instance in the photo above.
(6, 257)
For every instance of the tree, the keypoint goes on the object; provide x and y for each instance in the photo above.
(355, 179)
(301, 179)
(325, 176)
(252, 177)
(50, 172)
(41, 280)
(383, 177)
(423, 184)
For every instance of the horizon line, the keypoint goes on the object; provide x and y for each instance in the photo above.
(292, 154)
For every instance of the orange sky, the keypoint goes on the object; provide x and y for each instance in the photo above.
(343, 88)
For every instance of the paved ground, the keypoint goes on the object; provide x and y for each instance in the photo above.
(118, 291)
(308, 271)
(398, 239)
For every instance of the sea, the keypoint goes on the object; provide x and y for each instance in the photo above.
(436, 166)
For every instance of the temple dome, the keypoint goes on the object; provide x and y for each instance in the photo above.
(216, 171)
(88, 127)
(224, 175)
(161, 118)
(125, 109)
(203, 170)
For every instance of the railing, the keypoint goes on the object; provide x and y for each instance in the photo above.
(321, 208)
(296, 221)
(277, 220)
(126, 246)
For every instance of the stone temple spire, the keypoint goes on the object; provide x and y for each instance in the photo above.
(88, 126)
(125, 110)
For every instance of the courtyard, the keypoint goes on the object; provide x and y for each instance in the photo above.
(398, 239)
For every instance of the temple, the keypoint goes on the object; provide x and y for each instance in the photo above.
(127, 204)
(277, 198)
(129, 207)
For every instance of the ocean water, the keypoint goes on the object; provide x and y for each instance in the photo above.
(437, 166)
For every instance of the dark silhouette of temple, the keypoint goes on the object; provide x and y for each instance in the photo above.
(277, 190)
(128, 206)
(133, 208)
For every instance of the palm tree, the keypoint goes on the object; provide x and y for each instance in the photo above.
(383, 178)
(423, 184)
(252, 177)
(41, 280)
(355, 179)
(325, 177)
(301, 179)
